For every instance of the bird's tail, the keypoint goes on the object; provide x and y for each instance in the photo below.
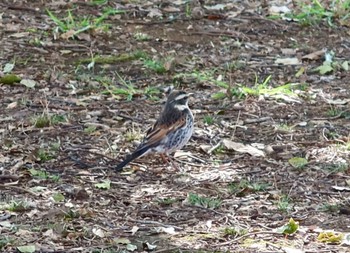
(136, 154)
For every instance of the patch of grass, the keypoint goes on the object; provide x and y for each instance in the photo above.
(44, 155)
(46, 120)
(71, 215)
(132, 135)
(75, 24)
(333, 112)
(90, 129)
(313, 13)
(99, 2)
(42, 121)
(196, 200)
(235, 65)
(188, 10)
(284, 204)
(284, 128)
(219, 150)
(167, 201)
(18, 206)
(232, 231)
(240, 91)
(330, 208)
(127, 89)
(336, 112)
(208, 119)
(139, 36)
(43, 175)
(152, 93)
(155, 65)
(48, 152)
(336, 168)
(244, 187)
(5, 240)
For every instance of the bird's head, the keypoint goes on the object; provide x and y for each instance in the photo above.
(179, 99)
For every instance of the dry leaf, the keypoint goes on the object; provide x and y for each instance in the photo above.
(314, 55)
(241, 148)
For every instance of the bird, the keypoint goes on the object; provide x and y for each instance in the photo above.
(172, 130)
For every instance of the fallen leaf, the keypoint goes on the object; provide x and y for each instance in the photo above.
(106, 184)
(154, 12)
(276, 10)
(19, 35)
(26, 249)
(290, 228)
(169, 230)
(314, 55)
(12, 105)
(68, 34)
(28, 83)
(292, 250)
(8, 67)
(216, 7)
(288, 61)
(345, 65)
(147, 246)
(99, 232)
(340, 188)
(330, 237)
(131, 247)
(241, 148)
(325, 68)
(298, 162)
(122, 241)
(134, 230)
(58, 197)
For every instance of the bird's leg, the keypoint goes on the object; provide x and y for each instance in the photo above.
(164, 158)
(167, 159)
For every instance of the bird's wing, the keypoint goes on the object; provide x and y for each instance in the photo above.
(160, 131)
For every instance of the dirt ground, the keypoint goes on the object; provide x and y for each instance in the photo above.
(58, 190)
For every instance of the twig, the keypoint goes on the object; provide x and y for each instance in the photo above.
(154, 223)
(18, 189)
(166, 250)
(215, 147)
(5, 217)
(13, 177)
(244, 236)
(334, 117)
(258, 120)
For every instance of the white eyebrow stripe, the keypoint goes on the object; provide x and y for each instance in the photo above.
(182, 96)
(181, 107)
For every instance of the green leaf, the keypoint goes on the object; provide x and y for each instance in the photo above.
(330, 237)
(10, 79)
(298, 162)
(131, 247)
(38, 188)
(26, 249)
(345, 65)
(219, 95)
(34, 172)
(58, 197)
(106, 184)
(290, 228)
(28, 83)
(122, 240)
(325, 68)
(8, 67)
